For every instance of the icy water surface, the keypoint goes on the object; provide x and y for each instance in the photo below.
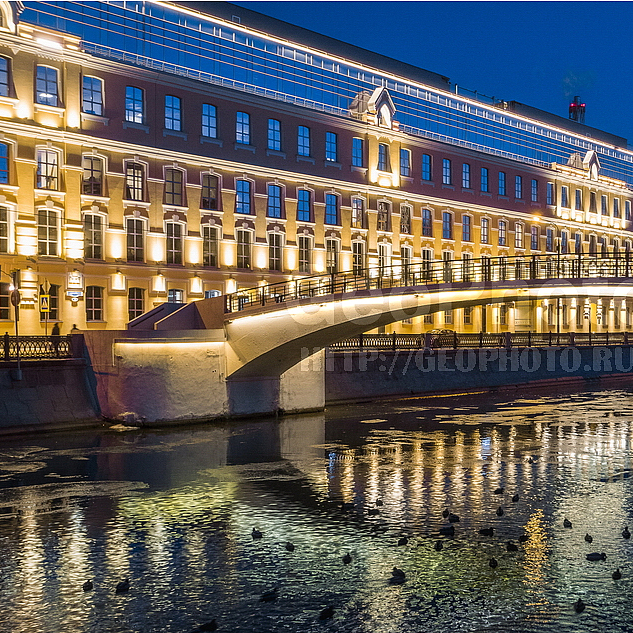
(173, 511)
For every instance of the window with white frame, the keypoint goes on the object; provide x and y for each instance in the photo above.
(616, 207)
(210, 245)
(518, 187)
(175, 295)
(485, 231)
(47, 86)
(405, 162)
(468, 315)
(564, 196)
(243, 128)
(275, 251)
(518, 235)
(93, 236)
(243, 239)
(5, 300)
(209, 127)
(273, 203)
(549, 240)
(564, 242)
(4, 230)
(383, 157)
(578, 243)
(467, 266)
(484, 180)
(503, 231)
(134, 104)
(94, 303)
(405, 219)
(358, 213)
(47, 232)
(134, 229)
(274, 135)
(174, 190)
(92, 183)
(331, 147)
(551, 194)
(384, 259)
(331, 255)
(534, 238)
(134, 181)
(304, 205)
(427, 167)
(604, 208)
(173, 231)
(209, 194)
(466, 228)
(466, 176)
(135, 303)
(358, 257)
(304, 242)
(448, 317)
(303, 140)
(384, 211)
(4, 163)
(447, 225)
(331, 208)
(243, 196)
(534, 190)
(593, 202)
(47, 169)
(5, 78)
(447, 176)
(92, 95)
(627, 209)
(578, 205)
(173, 113)
(427, 223)
(406, 258)
(502, 183)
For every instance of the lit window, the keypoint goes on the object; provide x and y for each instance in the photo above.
(243, 239)
(405, 260)
(134, 303)
(549, 240)
(468, 315)
(384, 211)
(358, 158)
(304, 204)
(331, 147)
(518, 187)
(94, 303)
(134, 235)
(46, 86)
(331, 208)
(210, 245)
(405, 219)
(564, 242)
(305, 253)
(484, 179)
(47, 169)
(175, 295)
(447, 225)
(174, 191)
(273, 206)
(466, 176)
(242, 128)
(331, 255)
(274, 135)
(485, 231)
(209, 120)
(518, 235)
(93, 236)
(405, 162)
(134, 181)
(502, 183)
(466, 225)
(92, 176)
(209, 199)
(427, 223)
(384, 259)
(5, 295)
(447, 177)
(4, 230)
(47, 232)
(426, 167)
(303, 140)
(503, 225)
(578, 243)
(134, 106)
(358, 213)
(274, 251)
(358, 258)
(243, 196)
(92, 95)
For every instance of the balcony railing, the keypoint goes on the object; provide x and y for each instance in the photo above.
(471, 340)
(36, 347)
(485, 269)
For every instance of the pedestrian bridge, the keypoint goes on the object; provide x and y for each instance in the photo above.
(271, 328)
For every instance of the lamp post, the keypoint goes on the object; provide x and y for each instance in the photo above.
(15, 302)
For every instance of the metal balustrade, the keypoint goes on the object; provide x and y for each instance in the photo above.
(36, 347)
(484, 269)
(471, 340)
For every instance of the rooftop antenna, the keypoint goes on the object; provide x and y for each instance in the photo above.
(577, 110)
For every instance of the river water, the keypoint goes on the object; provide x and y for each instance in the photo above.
(173, 511)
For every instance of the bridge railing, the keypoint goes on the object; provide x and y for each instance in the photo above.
(470, 340)
(484, 269)
(34, 347)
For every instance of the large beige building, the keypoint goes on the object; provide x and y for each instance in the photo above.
(127, 180)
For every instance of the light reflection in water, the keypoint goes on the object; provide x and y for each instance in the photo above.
(184, 538)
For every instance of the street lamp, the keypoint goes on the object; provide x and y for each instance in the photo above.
(15, 301)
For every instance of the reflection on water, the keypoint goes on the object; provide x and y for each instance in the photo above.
(173, 511)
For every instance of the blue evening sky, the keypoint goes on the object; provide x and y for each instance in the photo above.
(538, 53)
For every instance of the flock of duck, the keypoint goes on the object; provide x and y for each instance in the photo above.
(398, 576)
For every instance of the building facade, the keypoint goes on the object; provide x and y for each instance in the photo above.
(154, 151)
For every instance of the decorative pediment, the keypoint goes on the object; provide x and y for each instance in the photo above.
(591, 163)
(376, 108)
